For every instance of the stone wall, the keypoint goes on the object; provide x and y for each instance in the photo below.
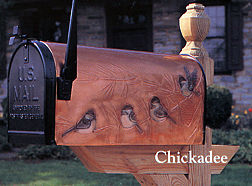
(92, 25)
(240, 83)
(166, 35)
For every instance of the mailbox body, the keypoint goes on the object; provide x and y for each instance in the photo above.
(107, 81)
(31, 95)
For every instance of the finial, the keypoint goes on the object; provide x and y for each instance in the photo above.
(194, 26)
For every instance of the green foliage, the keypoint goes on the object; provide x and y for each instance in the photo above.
(4, 145)
(236, 137)
(5, 107)
(58, 173)
(233, 175)
(61, 172)
(46, 152)
(218, 106)
(239, 121)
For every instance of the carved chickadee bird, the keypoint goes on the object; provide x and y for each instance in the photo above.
(187, 84)
(128, 118)
(158, 112)
(85, 125)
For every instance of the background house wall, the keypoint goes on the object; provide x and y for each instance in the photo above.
(240, 82)
(166, 34)
(165, 17)
(92, 25)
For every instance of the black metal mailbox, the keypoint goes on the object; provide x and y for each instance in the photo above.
(31, 94)
(32, 86)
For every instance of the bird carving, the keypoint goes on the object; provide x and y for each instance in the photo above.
(128, 118)
(85, 125)
(158, 112)
(188, 83)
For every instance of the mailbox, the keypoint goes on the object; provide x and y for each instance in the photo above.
(31, 94)
(119, 97)
(110, 97)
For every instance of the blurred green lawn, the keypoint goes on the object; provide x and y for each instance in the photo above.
(61, 172)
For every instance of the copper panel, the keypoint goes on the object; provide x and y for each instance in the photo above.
(130, 98)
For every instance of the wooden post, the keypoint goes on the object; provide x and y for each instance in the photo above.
(194, 26)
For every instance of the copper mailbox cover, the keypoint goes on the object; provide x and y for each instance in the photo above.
(130, 98)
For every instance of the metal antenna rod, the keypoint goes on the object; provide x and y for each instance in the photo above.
(69, 71)
(70, 68)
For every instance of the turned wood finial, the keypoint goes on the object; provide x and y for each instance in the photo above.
(194, 26)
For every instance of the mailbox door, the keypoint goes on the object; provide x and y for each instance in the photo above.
(31, 94)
